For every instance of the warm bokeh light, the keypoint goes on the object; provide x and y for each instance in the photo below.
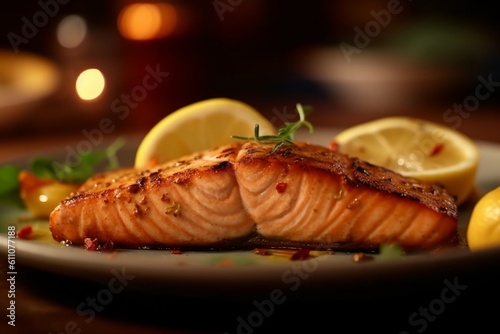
(143, 21)
(71, 31)
(90, 84)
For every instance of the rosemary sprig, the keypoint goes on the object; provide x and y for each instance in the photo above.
(287, 133)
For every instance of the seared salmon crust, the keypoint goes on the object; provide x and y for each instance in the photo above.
(250, 194)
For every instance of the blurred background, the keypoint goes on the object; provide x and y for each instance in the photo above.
(120, 66)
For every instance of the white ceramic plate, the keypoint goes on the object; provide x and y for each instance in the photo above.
(234, 273)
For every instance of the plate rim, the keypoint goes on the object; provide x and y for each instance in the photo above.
(250, 278)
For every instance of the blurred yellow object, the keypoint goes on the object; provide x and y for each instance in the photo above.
(199, 126)
(25, 79)
(41, 196)
(143, 21)
(90, 84)
(484, 225)
(416, 148)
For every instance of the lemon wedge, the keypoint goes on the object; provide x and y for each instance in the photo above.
(202, 125)
(483, 229)
(416, 148)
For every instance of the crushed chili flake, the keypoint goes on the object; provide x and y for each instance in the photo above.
(301, 254)
(281, 187)
(437, 149)
(334, 146)
(90, 244)
(25, 232)
(93, 245)
(175, 251)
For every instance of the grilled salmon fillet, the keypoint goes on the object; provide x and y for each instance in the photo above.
(250, 194)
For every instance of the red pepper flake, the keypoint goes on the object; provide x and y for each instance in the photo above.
(25, 232)
(334, 145)
(437, 149)
(281, 187)
(301, 254)
(91, 244)
(175, 251)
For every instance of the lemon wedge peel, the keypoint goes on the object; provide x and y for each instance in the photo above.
(415, 148)
(483, 230)
(202, 125)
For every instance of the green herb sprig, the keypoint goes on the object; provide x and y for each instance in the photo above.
(286, 134)
(77, 173)
(51, 169)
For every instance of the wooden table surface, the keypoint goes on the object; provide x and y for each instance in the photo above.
(46, 302)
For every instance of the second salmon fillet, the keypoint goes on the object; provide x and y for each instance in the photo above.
(249, 194)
